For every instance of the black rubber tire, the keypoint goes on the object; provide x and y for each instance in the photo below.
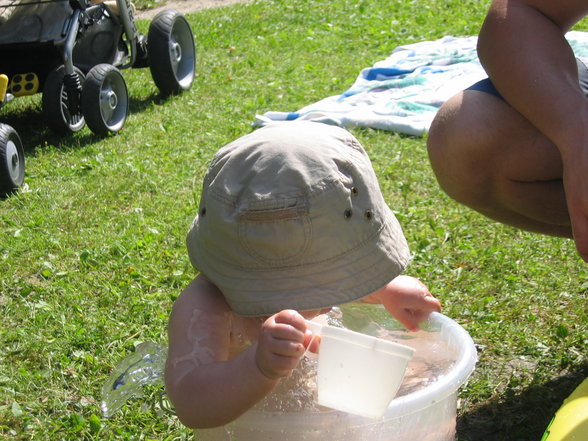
(105, 99)
(12, 160)
(57, 111)
(172, 52)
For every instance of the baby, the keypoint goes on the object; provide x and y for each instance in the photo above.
(291, 222)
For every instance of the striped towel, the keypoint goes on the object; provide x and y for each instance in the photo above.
(403, 92)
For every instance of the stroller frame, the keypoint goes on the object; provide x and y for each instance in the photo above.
(72, 51)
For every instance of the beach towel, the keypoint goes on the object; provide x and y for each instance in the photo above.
(403, 92)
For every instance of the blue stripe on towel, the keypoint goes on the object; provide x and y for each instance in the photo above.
(292, 116)
(373, 73)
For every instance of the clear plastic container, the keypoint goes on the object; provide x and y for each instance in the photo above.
(424, 409)
(358, 373)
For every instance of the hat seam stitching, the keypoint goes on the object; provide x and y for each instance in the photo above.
(325, 184)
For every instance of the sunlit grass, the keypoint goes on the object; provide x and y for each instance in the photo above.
(92, 250)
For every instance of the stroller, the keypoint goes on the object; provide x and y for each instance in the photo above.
(72, 52)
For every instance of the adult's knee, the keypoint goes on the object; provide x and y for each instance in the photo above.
(443, 142)
(458, 151)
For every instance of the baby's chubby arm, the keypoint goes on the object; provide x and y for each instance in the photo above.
(206, 386)
(407, 299)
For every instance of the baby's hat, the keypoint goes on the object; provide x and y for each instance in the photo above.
(291, 217)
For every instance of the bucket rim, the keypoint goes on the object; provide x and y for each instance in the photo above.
(446, 385)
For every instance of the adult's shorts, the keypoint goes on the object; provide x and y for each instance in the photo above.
(486, 85)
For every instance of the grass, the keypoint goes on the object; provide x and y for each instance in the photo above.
(92, 250)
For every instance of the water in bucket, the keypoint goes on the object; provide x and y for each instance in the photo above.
(424, 407)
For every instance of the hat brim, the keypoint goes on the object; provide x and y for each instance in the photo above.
(362, 271)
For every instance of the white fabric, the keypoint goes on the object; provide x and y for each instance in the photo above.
(404, 92)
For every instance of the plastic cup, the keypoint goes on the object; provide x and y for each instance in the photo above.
(358, 373)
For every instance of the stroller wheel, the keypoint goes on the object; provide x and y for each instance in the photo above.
(12, 162)
(105, 99)
(61, 101)
(171, 51)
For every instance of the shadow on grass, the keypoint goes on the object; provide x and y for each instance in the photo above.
(520, 417)
(35, 134)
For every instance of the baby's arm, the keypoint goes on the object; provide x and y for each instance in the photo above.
(207, 387)
(407, 299)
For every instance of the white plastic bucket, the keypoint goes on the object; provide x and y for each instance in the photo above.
(427, 414)
(358, 373)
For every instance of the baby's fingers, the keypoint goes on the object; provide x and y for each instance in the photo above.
(408, 319)
(281, 344)
(285, 325)
(278, 359)
(312, 341)
(411, 317)
(430, 304)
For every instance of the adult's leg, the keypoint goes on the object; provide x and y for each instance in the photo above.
(488, 157)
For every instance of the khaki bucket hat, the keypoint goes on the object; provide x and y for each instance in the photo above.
(292, 217)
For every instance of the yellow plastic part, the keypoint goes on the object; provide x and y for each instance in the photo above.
(570, 422)
(24, 84)
(3, 87)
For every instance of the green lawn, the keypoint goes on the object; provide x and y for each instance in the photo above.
(92, 249)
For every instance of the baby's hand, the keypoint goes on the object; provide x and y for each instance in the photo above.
(409, 301)
(282, 343)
